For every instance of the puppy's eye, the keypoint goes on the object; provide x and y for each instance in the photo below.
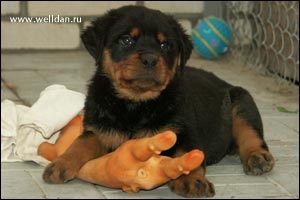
(164, 46)
(126, 40)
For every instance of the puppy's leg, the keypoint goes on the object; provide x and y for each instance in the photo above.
(247, 132)
(86, 147)
(194, 184)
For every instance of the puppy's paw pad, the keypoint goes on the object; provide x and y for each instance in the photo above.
(259, 162)
(192, 187)
(59, 172)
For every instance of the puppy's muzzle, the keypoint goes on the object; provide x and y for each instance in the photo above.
(147, 76)
(142, 82)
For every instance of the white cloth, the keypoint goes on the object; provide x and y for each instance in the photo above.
(10, 117)
(23, 129)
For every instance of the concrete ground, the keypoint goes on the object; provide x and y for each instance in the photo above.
(24, 76)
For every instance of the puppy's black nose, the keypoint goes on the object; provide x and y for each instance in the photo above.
(149, 60)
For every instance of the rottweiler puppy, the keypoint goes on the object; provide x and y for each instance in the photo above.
(142, 87)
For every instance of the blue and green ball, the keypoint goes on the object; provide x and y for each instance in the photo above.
(212, 37)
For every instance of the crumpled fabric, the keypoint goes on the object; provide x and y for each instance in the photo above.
(23, 128)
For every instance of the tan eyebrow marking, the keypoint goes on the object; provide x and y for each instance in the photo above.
(161, 37)
(134, 32)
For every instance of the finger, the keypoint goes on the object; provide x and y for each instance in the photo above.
(144, 148)
(175, 167)
(162, 141)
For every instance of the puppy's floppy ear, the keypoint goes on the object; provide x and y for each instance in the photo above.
(94, 36)
(184, 42)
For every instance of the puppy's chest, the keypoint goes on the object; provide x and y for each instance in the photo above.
(134, 121)
(112, 134)
(115, 125)
(110, 139)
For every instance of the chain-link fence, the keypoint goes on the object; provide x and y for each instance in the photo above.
(266, 35)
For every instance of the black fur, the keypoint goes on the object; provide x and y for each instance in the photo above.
(196, 102)
(141, 87)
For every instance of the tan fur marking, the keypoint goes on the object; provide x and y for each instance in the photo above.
(134, 32)
(107, 63)
(161, 37)
(113, 139)
(130, 69)
(109, 140)
(246, 138)
(186, 184)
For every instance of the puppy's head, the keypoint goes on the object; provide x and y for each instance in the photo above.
(139, 49)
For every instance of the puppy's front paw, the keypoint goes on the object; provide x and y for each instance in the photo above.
(259, 162)
(60, 171)
(193, 185)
